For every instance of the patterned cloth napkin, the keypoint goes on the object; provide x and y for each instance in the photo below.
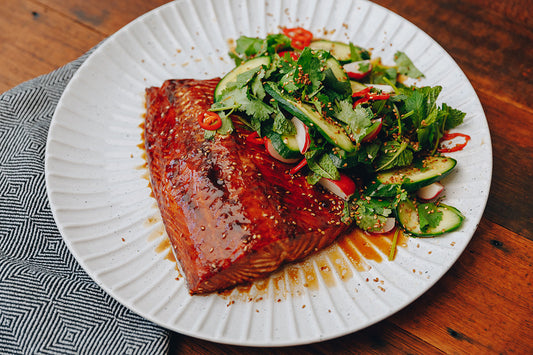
(48, 304)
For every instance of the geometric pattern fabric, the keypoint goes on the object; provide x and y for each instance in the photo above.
(48, 304)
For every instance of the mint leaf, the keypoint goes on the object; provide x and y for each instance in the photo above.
(421, 101)
(322, 165)
(313, 178)
(406, 66)
(393, 154)
(453, 118)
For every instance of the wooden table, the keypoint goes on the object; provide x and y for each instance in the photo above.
(484, 303)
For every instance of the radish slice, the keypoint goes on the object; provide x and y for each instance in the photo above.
(274, 153)
(384, 88)
(389, 224)
(374, 133)
(431, 191)
(355, 71)
(302, 135)
(344, 188)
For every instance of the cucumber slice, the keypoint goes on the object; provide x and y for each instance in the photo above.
(420, 174)
(357, 86)
(408, 218)
(336, 77)
(286, 146)
(232, 75)
(341, 51)
(343, 160)
(333, 133)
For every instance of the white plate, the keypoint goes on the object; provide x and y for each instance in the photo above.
(100, 198)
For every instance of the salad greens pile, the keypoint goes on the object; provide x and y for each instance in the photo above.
(388, 125)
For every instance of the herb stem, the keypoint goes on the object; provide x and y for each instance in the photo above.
(393, 245)
(397, 114)
(387, 80)
(217, 109)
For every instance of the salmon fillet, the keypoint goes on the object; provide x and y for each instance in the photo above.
(232, 213)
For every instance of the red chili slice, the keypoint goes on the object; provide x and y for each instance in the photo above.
(299, 166)
(366, 96)
(210, 121)
(378, 96)
(362, 92)
(361, 101)
(457, 146)
(300, 37)
(255, 139)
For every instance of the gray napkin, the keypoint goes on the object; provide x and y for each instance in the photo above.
(48, 304)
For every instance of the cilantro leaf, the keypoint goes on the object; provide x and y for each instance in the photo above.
(281, 124)
(310, 73)
(428, 216)
(242, 101)
(358, 120)
(381, 74)
(406, 66)
(250, 46)
(277, 42)
(357, 53)
(371, 213)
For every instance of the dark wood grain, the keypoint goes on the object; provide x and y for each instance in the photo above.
(483, 304)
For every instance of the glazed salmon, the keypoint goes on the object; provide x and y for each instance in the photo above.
(232, 213)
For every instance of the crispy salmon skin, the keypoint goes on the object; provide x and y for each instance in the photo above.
(232, 213)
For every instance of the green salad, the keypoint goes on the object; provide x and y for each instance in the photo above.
(347, 121)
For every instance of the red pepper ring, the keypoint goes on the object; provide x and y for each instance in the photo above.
(255, 139)
(300, 37)
(210, 121)
(457, 146)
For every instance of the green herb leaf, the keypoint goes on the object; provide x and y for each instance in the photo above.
(277, 42)
(358, 120)
(281, 124)
(394, 154)
(250, 46)
(406, 66)
(453, 117)
(358, 54)
(371, 213)
(322, 165)
(428, 216)
(309, 74)
(381, 74)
